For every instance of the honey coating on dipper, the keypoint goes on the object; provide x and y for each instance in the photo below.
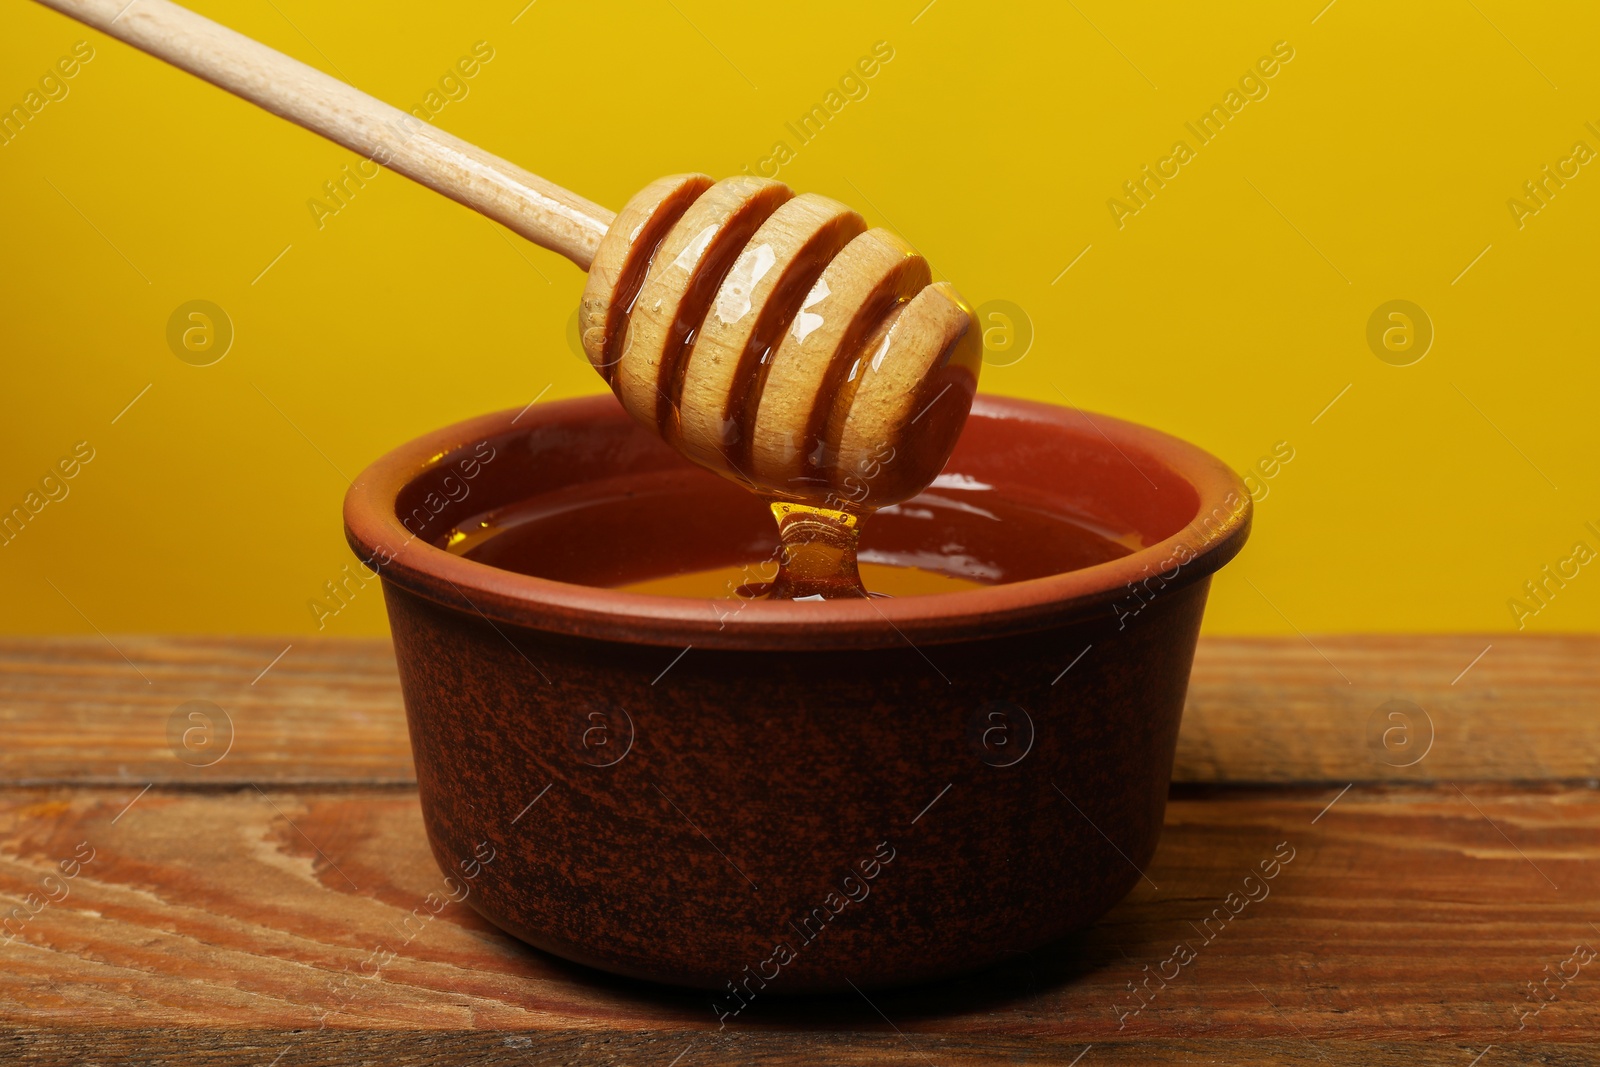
(778, 341)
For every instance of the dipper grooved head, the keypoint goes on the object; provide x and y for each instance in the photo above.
(778, 341)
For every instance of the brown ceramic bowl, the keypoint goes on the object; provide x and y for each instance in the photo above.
(813, 794)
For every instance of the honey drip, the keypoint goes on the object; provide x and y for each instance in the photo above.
(817, 554)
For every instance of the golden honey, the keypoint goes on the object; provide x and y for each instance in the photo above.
(685, 533)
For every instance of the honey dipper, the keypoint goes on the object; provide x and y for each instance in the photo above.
(772, 338)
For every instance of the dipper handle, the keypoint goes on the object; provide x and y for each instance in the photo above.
(541, 211)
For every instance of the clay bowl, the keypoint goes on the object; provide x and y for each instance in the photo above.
(871, 791)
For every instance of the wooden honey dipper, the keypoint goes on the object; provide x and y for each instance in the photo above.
(772, 338)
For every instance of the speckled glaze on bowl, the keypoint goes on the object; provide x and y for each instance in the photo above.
(813, 794)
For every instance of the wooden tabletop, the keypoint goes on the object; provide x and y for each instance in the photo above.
(204, 890)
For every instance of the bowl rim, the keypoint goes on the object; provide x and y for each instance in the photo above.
(372, 529)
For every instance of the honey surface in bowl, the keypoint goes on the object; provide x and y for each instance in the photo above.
(683, 533)
(725, 583)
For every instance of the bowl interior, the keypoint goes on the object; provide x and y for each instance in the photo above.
(1043, 513)
(612, 506)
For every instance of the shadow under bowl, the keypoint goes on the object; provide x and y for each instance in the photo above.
(787, 797)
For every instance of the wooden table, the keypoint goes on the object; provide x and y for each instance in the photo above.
(226, 909)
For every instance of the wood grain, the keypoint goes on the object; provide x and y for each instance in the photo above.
(259, 1048)
(1404, 929)
(78, 710)
(246, 912)
(1261, 710)
(1294, 710)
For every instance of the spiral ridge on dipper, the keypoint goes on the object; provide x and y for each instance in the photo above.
(777, 340)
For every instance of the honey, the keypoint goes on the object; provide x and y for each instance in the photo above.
(687, 533)
(735, 582)
(816, 553)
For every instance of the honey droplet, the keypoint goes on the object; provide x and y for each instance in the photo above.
(817, 557)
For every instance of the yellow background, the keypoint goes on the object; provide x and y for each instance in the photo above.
(1231, 310)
